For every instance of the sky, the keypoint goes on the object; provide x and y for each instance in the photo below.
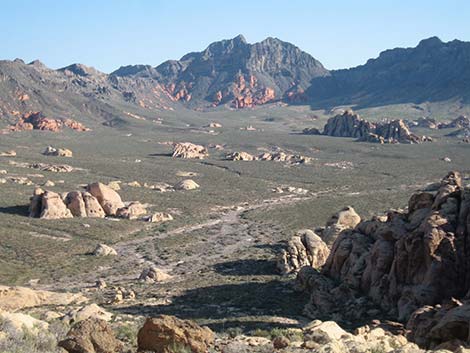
(107, 34)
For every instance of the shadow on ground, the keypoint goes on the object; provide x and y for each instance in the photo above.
(22, 210)
(247, 267)
(246, 305)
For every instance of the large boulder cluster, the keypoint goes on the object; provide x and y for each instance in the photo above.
(409, 265)
(97, 201)
(350, 124)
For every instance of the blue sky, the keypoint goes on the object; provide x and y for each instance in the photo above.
(109, 33)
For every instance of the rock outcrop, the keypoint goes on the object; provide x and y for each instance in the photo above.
(350, 124)
(460, 122)
(188, 150)
(402, 262)
(91, 336)
(166, 334)
(305, 248)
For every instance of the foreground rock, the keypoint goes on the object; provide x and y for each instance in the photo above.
(91, 336)
(166, 334)
(189, 150)
(57, 152)
(304, 249)
(407, 261)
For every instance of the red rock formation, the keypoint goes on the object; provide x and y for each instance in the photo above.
(37, 121)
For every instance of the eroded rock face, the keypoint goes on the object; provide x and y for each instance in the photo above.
(460, 122)
(91, 336)
(189, 150)
(164, 333)
(304, 249)
(403, 262)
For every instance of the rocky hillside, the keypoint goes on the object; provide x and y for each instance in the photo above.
(235, 72)
(433, 71)
(408, 265)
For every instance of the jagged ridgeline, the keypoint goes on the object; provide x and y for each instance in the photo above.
(234, 73)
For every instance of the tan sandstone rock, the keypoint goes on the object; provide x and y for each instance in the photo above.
(109, 199)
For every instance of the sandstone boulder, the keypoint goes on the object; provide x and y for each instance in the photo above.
(189, 150)
(109, 199)
(164, 334)
(75, 203)
(92, 206)
(52, 206)
(88, 311)
(304, 249)
(91, 336)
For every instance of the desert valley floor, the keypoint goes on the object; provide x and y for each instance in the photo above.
(221, 248)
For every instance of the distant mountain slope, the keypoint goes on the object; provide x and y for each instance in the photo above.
(235, 72)
(432, 71)
(76, 91)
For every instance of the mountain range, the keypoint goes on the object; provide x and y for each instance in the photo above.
(234, 73)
